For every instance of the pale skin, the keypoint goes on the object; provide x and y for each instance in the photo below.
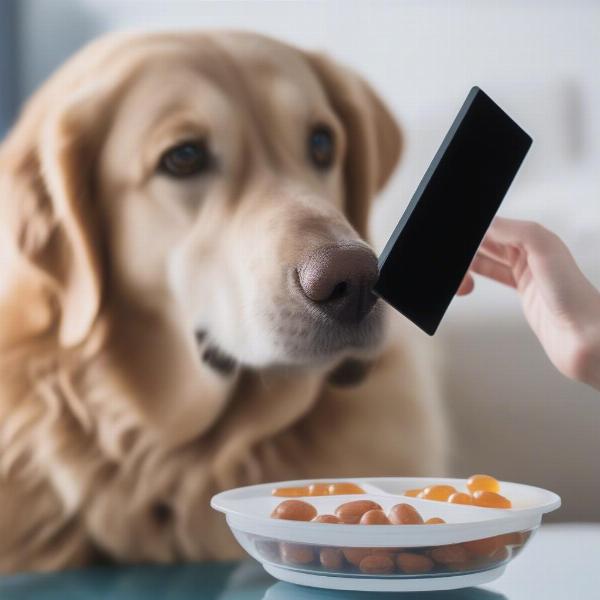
(560, 304)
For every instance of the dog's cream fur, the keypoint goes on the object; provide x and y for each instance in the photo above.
(114, 433)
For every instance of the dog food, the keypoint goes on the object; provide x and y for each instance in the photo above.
(295, 510)
(435, 521)
(490, 500)
(405, 514)
(352, 512)
(388, 532)
(326, 519)
(319, 489)
(413, 563)
(362, 512)
(460, 498)
(485, 483)
(377, 564)
(331, 559)
(374, 517)
(483, 491)
(466, 556)
(437, 492)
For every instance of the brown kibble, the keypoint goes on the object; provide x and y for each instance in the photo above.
(331, 558)
(517, 538)
(484, 547)
(466, 566)
(450, 554)
(351, 512)
(326, 519)
(412, 563)
(500, 555)
(355, 555)
(404, 514)
(294, 510)
(377, 564)
(297, 554)
(374, 517)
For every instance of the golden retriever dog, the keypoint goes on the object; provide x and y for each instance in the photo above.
(185, 297)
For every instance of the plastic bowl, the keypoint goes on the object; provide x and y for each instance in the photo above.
(472, 547)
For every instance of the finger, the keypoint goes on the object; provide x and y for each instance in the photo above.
(495, 249)
(531, 236)
(493, 269)
(466, 286)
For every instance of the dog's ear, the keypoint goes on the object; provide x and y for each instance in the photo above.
(374, 139)
(49, 170)
(67, 150)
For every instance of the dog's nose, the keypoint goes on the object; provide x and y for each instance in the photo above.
(339, 279)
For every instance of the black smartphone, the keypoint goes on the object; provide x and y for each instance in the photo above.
(429, 252)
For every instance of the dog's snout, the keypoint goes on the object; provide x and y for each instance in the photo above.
(339, 279)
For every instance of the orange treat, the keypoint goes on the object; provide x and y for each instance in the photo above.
(437, 492)
(355, 555)
(404, 514)
(326, 519)
(490, 500)
(297, 554)
(412, 563)
(483, 548)
(294, 510)
(435, 521)
(290, 492)
(501, 554)
(413, 493)
(517, 538)
(318, 489)
(376, 564)
(460, 498)
(351, 512)
(344, 487)
(331, 558)
(374, 517)
(450, 554)
(484, 483)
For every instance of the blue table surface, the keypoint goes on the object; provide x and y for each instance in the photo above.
(561, 562)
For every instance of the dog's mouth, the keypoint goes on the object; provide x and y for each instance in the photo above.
(314, 337)
(213, 355)
(301, 338)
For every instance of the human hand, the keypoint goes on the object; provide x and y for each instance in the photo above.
(561, 306)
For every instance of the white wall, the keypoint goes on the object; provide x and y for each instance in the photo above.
(541, 61)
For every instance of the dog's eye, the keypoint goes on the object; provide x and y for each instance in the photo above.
(321, 147)
(186, 159)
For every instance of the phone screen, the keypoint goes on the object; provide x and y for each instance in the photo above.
(429, 252)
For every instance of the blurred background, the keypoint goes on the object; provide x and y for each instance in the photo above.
(512, 414)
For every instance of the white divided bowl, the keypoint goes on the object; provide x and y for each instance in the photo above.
(290, 550)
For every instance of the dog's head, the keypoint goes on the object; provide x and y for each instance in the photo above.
(222, 180)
